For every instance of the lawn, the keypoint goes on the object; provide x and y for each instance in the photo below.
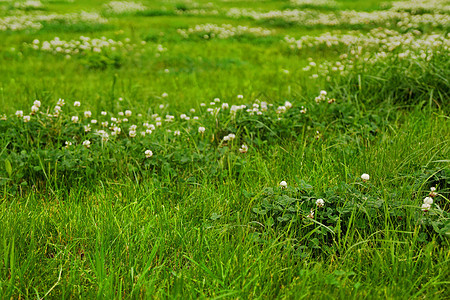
(233, 149)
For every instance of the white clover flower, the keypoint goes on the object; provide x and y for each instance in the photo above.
(143, 133)
(58, 109)
(125, 120)
(226, 138)
(128, 113)
(19, 113)
(94, 121)
(133, 127)
(426, 207)
(202, 104)
(68, 144)
(87, 114)
(231, 136)
(283, 184)
(60, 102)
(148, 131)
(37, 103)
(225, 105)
(192, 110)
(148, 153)
(77, 104)
(311, 214)
(103, 113)
(34, 109)
(105, 124)
(320, 202)
(87, 128)
(132, 133)
(365, 177)
(433, 189)
(120, 99)
(74, 119)
(26, 119)
(195, 118)
(113, 119)
(212, 103)
(183, 116)
(243, 149)
(120, 113)
(158, 124)
(323, 93)
(201, 129)
(164, 95)
(240, 96)
(288, 104)
(176, 132)
(428, 200)
(87, 143)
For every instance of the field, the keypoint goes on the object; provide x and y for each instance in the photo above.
(232, 149)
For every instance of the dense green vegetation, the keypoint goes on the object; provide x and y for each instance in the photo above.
(180, 149)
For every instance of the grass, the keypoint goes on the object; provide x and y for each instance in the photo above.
(193, 220)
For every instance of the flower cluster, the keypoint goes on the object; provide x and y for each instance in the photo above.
(80, 46)
(421, 6)
(123, 7)
(314, 3)
(225, 31)
(28, 4)
(308, 17)
(23, 22)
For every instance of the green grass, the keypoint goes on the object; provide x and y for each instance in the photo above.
(192, 220)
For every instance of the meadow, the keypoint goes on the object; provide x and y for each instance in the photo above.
(227, 149)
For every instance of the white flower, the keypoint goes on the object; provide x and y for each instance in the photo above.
(288, 104)
(201, 129)
(60, 102)
(164, 95)
(320, 202)
(87, 114)
(105, 124)
(120, 113)
(311, 214)
(240, 96)
(34, 109)
(231, 136)
(120, 99)
(225, 105)
(113, 119)
(132, 133)
(68, 144)
(426, 206)
(176, 132)
(125, 120)
(433, 189)
(58, 109)
(183, 116)
(158, 124)
(77, 104)
(37, 103)
(365, 177)
(74, 119)
(243, 149)
(283, 184)
(19, 113)
(226, 138)
(87, 128)
(148, 153)
(323, 93)
(87, 143)
(128, 113)
(26, 119)
(103, 113)
(192, 110)
(94, 121)
(202, 104)
(428, 200)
